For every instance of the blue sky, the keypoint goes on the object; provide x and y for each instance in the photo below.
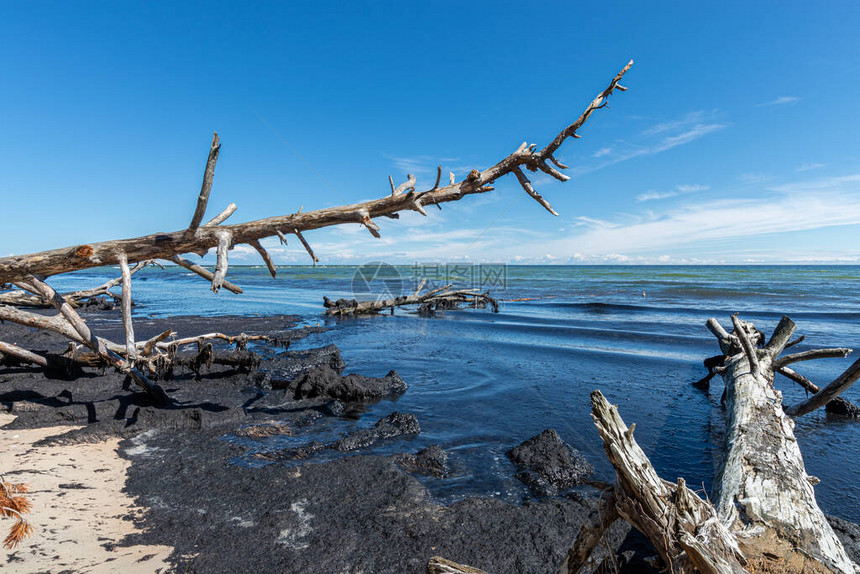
(737, 141)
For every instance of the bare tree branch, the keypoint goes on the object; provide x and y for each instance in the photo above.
(838, 353)
(127, 324)
(828, 393)
(747, 345)
(86, 337)
(221, 217)
(208, 177)
(198, 239)
(203, 272)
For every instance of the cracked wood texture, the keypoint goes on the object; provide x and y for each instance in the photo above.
(764, 495)
(683, 528)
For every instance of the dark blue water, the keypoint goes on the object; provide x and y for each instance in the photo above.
(481, 383)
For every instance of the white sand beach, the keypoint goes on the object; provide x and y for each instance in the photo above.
(79, 509)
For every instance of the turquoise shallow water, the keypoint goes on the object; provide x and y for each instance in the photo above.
(480, 382)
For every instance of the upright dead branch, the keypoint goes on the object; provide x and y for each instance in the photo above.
(206, 188)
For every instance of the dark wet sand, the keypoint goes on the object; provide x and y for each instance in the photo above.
(358, 513)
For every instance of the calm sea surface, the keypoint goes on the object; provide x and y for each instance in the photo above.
(481, 383)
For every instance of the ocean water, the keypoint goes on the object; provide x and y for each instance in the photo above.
(480, 383)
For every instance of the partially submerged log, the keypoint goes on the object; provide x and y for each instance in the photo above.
(765, 516)
(29, 272)
(428, 303)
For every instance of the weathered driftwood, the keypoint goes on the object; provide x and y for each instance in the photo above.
(29, 272)
(765, 516)
(428, 303)
(158, 357)
(683, 528)
(81, 298)
(764, 495)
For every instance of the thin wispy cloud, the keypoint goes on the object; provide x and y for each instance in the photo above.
(679, 190)
(590, 221)
(754, 178)
(418, 165)
(681, 123)
(781, 101)
(809, 166)
(669, 135)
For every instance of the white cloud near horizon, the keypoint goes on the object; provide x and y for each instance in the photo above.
(694, 232)
(786, 208)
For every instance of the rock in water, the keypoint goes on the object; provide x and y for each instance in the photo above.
(395, 424)
(840, 406)
(431, 461)
(548, 465)
(323, 381)
(849, 534)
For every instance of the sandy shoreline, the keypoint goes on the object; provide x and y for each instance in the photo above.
(79, 510)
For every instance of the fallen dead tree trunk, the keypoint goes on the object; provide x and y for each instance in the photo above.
(199, 238)
(29, 272)
(439, 565)
(765, 518)
(763, 492)
(428, 303)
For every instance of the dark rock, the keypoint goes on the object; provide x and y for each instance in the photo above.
(334, 408)
(394, 425)
(840, 406)
(323, 381)
(431, 461)
(263, 381)
(548, 465)
(849, 534)
(355, 513)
